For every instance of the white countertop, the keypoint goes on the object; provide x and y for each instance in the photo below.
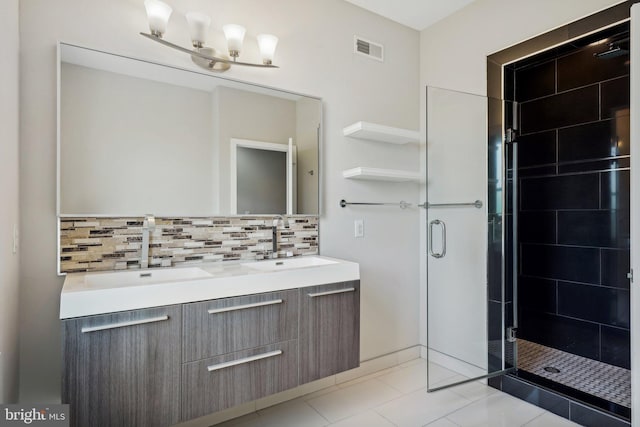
(227, 279)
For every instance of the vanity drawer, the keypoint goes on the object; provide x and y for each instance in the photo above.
(227, 325)
(221, 382)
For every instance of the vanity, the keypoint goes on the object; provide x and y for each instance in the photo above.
(154, 351)
(229, 311)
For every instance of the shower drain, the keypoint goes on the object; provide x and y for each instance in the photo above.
(551, 369)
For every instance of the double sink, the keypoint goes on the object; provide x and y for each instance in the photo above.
(85, 294)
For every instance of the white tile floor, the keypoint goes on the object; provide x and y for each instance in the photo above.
(398, 397)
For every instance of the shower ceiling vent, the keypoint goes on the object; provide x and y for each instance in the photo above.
(368, 48)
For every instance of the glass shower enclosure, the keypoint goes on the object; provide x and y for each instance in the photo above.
(550, 253)
(470, 309)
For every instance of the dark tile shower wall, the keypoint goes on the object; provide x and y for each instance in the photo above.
(573, 163)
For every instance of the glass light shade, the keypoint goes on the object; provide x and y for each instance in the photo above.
(198, 27)
(158, 14)
(235, 36)
(267, 44)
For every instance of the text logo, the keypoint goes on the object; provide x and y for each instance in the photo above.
(37, 415)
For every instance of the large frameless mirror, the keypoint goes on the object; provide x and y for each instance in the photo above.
(137, 137)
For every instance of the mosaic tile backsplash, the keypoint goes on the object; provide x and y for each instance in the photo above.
(103, 244)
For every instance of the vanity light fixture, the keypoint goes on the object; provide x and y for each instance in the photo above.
(267, 44)
(158, 14)
(198, 27)
(235, 36)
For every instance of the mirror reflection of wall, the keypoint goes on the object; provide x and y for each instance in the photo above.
(129, 144)
(137, 138)
(308, 111)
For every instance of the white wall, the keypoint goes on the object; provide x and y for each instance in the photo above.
(9, 143)
(315, 55)
(453, 55)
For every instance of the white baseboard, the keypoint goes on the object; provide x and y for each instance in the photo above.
(451, 363)
(379, 363)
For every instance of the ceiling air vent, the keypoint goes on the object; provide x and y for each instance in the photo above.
(368, 48)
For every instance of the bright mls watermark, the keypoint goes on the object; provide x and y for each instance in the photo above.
(36, 415)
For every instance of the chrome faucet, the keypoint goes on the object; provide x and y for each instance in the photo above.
(148, 226)
(283, 218)
(274, 229)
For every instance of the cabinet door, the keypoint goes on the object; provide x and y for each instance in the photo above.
(329, 329)
(123, 369)
(226, 325)
(221, 382)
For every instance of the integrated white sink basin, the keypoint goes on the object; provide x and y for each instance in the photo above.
(141, 277)
(86, 294)
(289, 263)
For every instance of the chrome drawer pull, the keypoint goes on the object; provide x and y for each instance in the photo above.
(339, 291)
(123, 324)
(243, 307)
(224, 365)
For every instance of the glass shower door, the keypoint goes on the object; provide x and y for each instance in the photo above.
(469, 306)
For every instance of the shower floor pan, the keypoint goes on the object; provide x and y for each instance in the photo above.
(590, 376)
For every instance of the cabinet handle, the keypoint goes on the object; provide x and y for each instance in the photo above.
(123, 324)
(242, 361)
(339, 291)
(245, 306)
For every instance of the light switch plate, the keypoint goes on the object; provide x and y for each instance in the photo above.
(358, 228)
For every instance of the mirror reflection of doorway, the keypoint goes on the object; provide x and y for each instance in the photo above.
(261, 177)
(262, 181)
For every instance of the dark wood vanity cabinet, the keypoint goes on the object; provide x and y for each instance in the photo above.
(237, 350)
(329, 329)
(227, 325)
(221, 382)
(159, 366)
(123, 369)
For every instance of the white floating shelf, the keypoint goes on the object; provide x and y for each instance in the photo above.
(380, 133)
(375, 174)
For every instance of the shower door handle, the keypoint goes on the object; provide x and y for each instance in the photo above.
(443, 228)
